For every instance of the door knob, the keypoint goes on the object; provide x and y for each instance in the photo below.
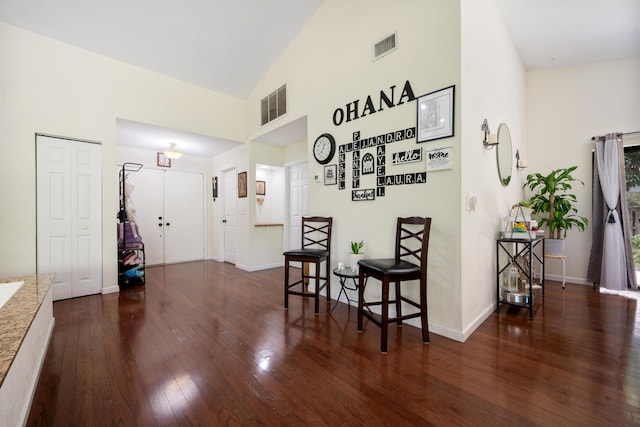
(160, 224)
(168, 224)
(160, 218)
(224, 220)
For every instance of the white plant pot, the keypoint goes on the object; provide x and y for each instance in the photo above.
(353, 260)
(554, 246)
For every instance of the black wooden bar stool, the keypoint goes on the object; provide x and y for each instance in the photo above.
(316, 249)
(409, 263)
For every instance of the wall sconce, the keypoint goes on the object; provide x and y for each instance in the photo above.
(520, 164)
(490, 140)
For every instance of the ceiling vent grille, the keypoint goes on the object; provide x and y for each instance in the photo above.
(385, 46)
(273, 105)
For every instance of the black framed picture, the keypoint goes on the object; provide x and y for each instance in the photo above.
(214, 186)
(163, 160)
(330, 175)
(261, 188)
(435, 115)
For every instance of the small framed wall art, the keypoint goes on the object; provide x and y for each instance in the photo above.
(163, 160)
(435, 115)
(242, 184)
(330, 175)
(214, 186)
(261, 188)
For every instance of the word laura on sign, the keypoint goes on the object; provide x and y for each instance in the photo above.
(354, 110)
(402, 179)
(439, 159)
(360, 195)
(407, 156)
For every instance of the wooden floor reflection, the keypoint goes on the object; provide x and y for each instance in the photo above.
(207, 344)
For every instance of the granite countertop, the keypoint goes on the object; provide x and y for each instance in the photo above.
(18, 313)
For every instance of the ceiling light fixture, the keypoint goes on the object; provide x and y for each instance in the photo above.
(173, 152)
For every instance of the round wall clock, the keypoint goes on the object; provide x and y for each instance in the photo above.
(324, 148)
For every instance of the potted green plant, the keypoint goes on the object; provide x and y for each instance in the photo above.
(553, 200)
(356, 253)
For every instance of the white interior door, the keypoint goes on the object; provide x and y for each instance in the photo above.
(69, 215)
(298, 202)
(148, 200)
(183, 216)
(230, 180)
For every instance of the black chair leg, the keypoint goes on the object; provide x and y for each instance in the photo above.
(423, 313)
(384, 324)
(361, 285)
(304, 280)
(317, 290)
(286, 284)
(398, 304)
(328, 278)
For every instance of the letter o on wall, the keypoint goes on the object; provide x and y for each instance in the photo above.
(338, 116)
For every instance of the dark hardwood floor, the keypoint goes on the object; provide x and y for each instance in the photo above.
(207, 344)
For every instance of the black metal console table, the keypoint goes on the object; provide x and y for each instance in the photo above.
(524, 255)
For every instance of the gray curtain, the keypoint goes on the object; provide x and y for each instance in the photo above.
(604, 216)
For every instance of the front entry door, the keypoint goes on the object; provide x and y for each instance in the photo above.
(148, 202)
(69, 215)
(169, 208)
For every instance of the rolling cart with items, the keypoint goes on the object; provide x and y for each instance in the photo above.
(519, 262)
(131, 256)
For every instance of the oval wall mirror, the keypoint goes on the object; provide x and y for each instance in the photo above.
(504, 154)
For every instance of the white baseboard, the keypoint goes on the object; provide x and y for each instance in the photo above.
(574, 280)
(478, 321)
(110, 290)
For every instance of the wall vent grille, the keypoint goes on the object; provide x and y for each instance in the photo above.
(273, 105)
(385, 46)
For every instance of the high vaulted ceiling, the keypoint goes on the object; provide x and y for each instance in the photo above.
(228, 45)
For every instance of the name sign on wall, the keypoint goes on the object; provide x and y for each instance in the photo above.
(368, 163)
(368, 155)
(361, 108)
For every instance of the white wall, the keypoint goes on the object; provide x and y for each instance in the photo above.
(54, 88)
(329, 65)
(493, 82)
(565, 108)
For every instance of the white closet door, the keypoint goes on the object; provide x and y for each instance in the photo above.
(69, 215)
(183, 216)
